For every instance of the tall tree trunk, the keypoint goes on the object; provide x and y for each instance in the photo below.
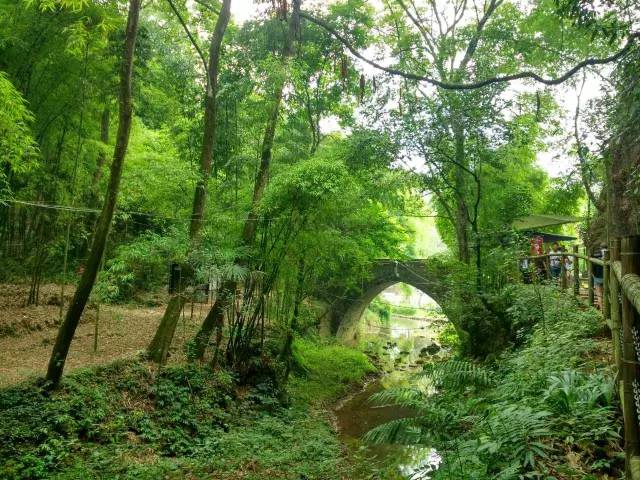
(215, 318)
(477, 246)
(210, 112)
(104, 138)
(462, 213)
(262, 178)
(159, 347)
(462, 232)
(81, 296)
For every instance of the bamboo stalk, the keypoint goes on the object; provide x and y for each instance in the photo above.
(616, 268)
(631, 287)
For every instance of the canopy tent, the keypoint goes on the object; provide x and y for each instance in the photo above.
(550, 237)
(532, 222)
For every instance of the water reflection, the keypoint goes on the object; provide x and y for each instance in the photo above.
(358, 415)
(421, 463)
(400, 344)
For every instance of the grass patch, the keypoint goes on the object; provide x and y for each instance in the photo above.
(125, 421)
(326, 370)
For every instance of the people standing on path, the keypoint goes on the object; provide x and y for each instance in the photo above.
(555, 261)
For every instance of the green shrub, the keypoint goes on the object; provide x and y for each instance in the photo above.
(142, 265)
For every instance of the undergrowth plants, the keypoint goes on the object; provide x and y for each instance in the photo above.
(544, 409)
(128, 420)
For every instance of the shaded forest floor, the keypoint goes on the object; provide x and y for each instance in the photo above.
(27, 333)
(127, 420)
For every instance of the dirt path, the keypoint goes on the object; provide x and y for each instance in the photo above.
(123, 332)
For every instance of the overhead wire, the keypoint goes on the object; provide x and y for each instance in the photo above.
(87, 210)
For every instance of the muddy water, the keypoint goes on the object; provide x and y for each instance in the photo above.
(403, 350)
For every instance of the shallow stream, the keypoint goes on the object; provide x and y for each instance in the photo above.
(404, 349)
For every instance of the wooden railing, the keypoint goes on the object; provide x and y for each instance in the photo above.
(620, 308)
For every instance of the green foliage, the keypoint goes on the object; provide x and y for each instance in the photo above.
(381, 309)
(126, 420)
(18, 152)
(456, 374)
(329, 370)
(449, 338)
(523, 414)
(142, 265)
(111, 406)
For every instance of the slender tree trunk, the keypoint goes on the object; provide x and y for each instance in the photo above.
(210, 112)
(462, 213)
(81, 296)
(159, 347)
(478, 251)
(215, 320)
(104, 138)
(287, 349)
(262, 178)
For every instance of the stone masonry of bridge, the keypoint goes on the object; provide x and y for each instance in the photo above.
(427, 275)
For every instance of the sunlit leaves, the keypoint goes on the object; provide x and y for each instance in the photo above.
(53, 5)
(18, 151)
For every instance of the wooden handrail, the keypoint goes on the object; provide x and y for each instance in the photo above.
(631, 287)
(593, 260)
(620, 305)
(616, 268)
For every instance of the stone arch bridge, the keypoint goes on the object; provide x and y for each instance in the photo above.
(346, 310)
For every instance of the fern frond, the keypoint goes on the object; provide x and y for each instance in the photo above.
(403, 430)
(402, 397)
(233, 271)
(456, 375)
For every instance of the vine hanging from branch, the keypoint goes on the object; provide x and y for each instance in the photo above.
(627, 48)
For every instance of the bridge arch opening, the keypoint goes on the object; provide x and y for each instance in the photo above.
(398, 318)
(427, 275)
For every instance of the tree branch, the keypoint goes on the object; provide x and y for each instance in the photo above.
(481, 83)
(473, 43)
(208, 7)
(191, 38)
(421, 28)
(584, 167)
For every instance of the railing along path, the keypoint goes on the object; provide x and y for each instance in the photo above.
(620, 308)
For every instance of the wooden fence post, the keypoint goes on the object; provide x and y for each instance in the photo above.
(547, 266)
(614, 305)
(563, 273)
(630, 261)
(606, 276)
(590, 281)
(576, 271)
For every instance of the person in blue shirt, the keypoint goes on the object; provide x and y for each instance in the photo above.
(555, 261)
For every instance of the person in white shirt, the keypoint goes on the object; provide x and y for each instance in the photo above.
(555, 261)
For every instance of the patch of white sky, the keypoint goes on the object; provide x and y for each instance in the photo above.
(243, 10)
(556, 158)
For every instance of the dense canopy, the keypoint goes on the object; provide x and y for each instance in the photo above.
(250, 164)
